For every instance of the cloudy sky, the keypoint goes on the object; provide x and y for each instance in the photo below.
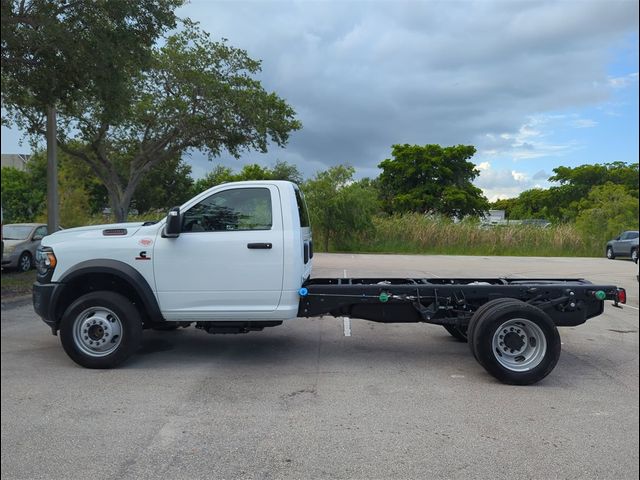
(533, 85)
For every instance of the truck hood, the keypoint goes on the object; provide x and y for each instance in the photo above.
(92, 232)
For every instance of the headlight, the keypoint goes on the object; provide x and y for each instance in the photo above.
(45, 260)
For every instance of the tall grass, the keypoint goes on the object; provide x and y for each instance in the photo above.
(414, 233)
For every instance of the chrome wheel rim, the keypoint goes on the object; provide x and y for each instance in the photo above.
(609, 253)
(25, 263)
(519, 345)
(634, 255)
(97, 332)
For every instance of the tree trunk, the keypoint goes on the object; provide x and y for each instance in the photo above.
(121, 201)
(53, 219)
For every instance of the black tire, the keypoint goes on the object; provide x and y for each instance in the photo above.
(25, 262)
(634, 255)
(102, 311)
(610, 254)
(478, 314)
(531, 343)
(459, 333)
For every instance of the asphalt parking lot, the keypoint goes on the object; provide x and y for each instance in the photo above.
(304, 401)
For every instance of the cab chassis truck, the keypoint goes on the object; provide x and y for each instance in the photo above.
(237, 258)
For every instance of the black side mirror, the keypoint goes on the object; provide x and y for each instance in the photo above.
(173, 225)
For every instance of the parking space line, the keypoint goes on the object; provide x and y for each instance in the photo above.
(346, 321)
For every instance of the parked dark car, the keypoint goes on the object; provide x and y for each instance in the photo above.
(624, 245)
(21, 240)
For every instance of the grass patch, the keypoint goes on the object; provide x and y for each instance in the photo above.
(15, 284)
(414, 233)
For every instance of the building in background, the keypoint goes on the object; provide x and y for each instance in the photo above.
(15, 160)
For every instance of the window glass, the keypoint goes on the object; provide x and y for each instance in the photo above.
(231, 210)
(633, 235)
(302, 208)
(40, 231)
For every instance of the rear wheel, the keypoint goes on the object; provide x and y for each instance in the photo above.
(516, 342)
(101, 330)
(459, 333)
(479, 313)
(610, 254)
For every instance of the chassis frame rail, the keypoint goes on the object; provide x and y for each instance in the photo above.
(451, 301)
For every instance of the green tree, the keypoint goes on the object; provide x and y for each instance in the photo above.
(339, 207)
(286, 171)
(607, 210)
(196, 94)
(61, 55)
(221, 174)
(21, 202)
(431, 179)
(577, 182)
(165, 186)
(218, 175)
(55, 52)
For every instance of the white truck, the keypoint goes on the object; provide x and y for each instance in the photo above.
(238, 257)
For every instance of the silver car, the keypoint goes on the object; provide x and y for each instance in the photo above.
(21, 240)
(624, 245)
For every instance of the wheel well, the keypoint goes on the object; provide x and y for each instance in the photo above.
(93, 282)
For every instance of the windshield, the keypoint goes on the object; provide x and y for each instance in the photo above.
(15, 232)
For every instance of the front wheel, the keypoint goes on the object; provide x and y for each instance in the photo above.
(610, 254)
(101, 330)
(25, 262)
(634, 255)
(516, 342)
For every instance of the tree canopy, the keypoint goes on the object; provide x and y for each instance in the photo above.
(564, 202)
(194, 94)
(339, 207)
(431, 179)
(606, 211)
(253, 171)
(60, 52)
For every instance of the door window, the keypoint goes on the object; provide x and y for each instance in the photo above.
(239, 209)
(40, 232)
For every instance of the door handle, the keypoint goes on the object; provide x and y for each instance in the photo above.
(259, 245)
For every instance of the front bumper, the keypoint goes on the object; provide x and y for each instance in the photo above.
(42, 294)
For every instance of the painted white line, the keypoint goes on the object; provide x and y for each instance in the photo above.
(346, 322)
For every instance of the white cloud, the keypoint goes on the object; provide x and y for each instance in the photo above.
(505, 183)
(364, 76)
(623, 81)
(584, 123)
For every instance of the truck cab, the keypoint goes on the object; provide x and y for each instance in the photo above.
(234, 255)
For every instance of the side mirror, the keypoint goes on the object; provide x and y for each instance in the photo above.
(37, 237)
(173, 225)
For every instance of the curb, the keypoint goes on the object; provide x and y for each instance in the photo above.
(13, 302)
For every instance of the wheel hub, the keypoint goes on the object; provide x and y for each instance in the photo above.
(97, 331)
(519, 344)
(514, 340)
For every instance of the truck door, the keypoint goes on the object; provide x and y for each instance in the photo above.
(228, 258)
